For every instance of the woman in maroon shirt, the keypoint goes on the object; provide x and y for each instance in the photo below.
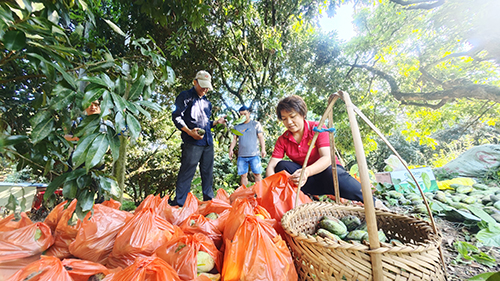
(295, 143)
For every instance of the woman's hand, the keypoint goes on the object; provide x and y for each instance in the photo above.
(294, 178)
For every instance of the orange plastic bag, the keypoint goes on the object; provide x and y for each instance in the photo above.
(222, 195)
(253, 255)
(277, 195)
(181, 252)
(45, 269)
(139, 237)
(197, 223)
(54, 216)
(97, 234)
(241, 208)
(9, 223)
(176, 215)
(65, 233)
(151, 202)
(82, 270)
(145, 269)
(112, 204)
(242, 192)
(213, 206)
(25, 242)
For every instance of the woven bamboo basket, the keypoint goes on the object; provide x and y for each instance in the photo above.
(317, 258)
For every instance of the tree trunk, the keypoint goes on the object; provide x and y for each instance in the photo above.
(120, 165)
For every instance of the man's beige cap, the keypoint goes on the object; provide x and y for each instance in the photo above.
(204, 79)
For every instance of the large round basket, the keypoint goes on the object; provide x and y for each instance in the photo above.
(316, 258)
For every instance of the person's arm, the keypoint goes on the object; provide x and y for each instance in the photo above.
(262, 144)
(271, 165)
(317, 167)
(192, 133)
(231, 147)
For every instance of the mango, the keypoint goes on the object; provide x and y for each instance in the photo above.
(351, 222)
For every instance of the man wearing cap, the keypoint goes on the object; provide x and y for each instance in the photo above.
(248, 150)
(191, 116)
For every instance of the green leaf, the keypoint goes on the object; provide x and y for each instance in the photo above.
(91, 96)
(134, 126)
(489, 237)
(12, 203)
(481, 214)
(86, 200)
(151, 105)
(196, 181)
(82, 146)
(427, 180)
(42, 130)
(115, 27)
(143, 111)
(236, 132)
(95, 80)
(484, 259)
(110, 186)
(68, 78)
(120, 103)
(120, 122)
(63, 98)
(13, 140)
(106, 104)
(56, 183)
(14, 40)
(486, 276)
(136, 90)
(23, 204)
(114, 144)
(96, 151)
(70, 189)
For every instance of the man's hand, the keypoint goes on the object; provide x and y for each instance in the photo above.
(194, 134)
(221, 120)
(231, 153)
(263, 153)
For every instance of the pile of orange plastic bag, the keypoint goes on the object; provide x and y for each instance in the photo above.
(157, 241)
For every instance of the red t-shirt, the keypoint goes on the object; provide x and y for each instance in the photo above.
(286, 144)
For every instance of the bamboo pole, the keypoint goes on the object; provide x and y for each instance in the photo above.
(334, 163)
(371, 219)
(384, 139)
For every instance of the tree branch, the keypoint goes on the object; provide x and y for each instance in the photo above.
(419, 4)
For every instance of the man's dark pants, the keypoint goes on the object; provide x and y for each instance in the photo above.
(191, 156)
(322, 183)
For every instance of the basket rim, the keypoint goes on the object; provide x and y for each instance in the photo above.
(433, 242)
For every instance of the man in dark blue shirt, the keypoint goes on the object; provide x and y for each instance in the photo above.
(191, 116)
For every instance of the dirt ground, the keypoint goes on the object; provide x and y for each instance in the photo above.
(460, 271)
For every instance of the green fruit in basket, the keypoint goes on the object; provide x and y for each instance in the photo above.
(381, 237)
(420, 209)
(440, 196)
(404, 201)
(351, 222)
(327, 234)
(356, 235)
(205, 262)
(464, 189)
(494, 198)
(458, 205)
(335, 226)
(362, 227)
(497, 205)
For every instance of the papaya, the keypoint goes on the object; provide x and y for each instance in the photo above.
(327, 234)
(351, 222)
(356, 235)
(381, 237)
(394, 194)
(212, 216)
(335, 226)
(440, 196)
(497, 205)
(464, 189)
(205, 262)
(362, 227)
(480, 186)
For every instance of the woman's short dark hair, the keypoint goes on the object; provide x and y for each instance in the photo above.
(290, 103)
